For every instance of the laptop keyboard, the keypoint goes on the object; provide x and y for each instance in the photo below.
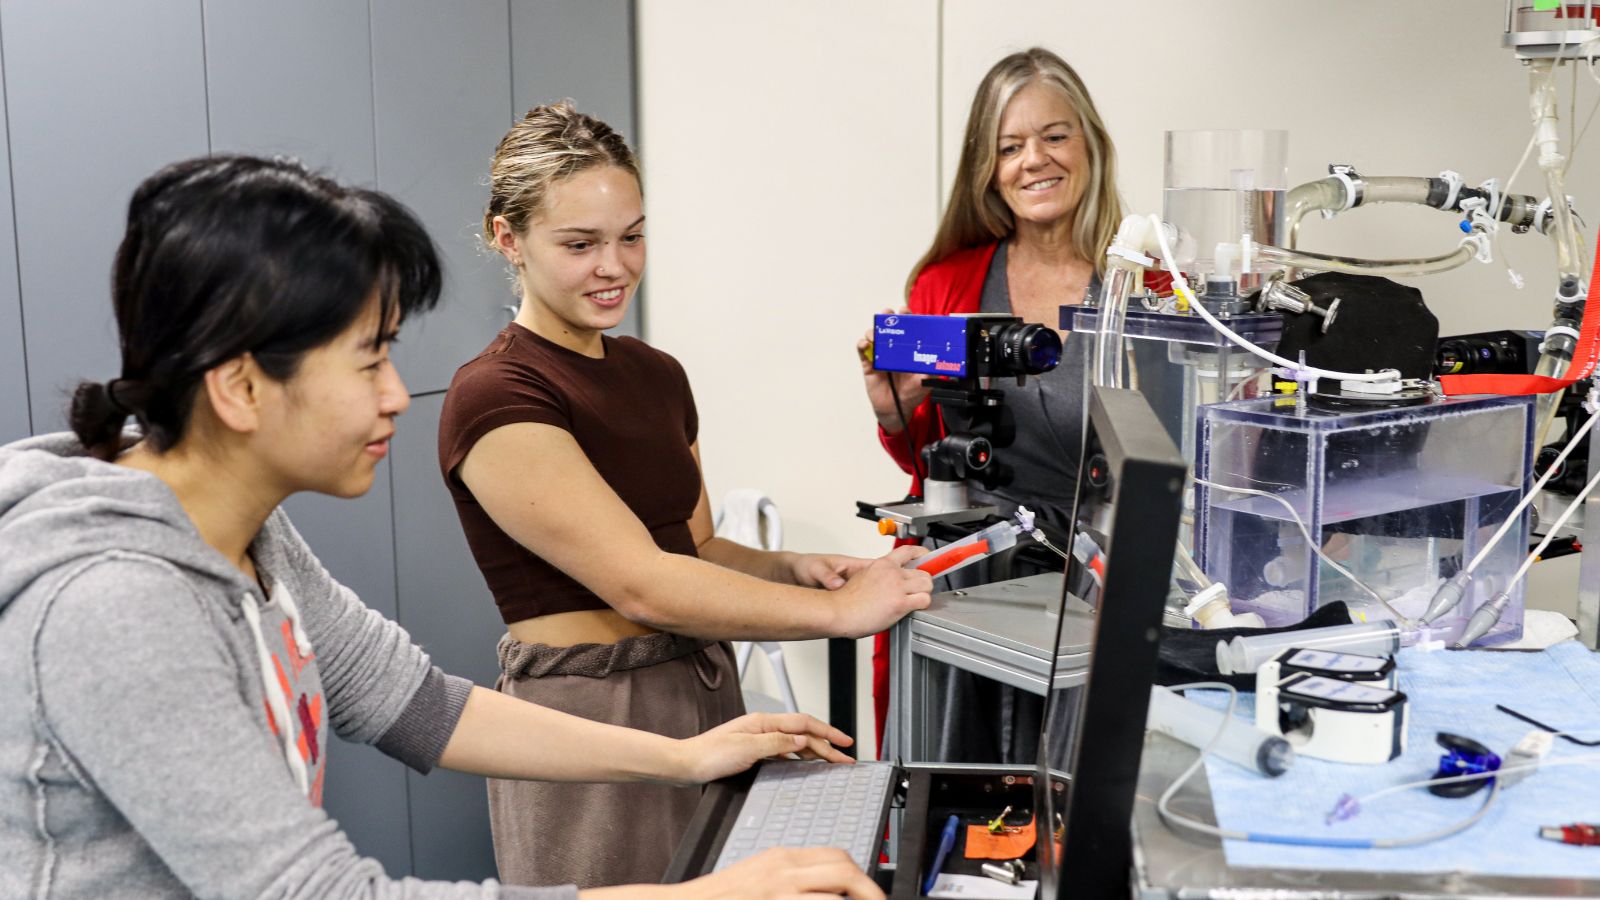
(795, 803)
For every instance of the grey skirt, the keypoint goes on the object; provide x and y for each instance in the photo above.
(596, 835)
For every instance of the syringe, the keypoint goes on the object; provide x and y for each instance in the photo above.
(975, 547)
(970, 549)
(1242, 743)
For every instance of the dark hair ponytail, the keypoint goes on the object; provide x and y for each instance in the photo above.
(227, 255)
(97, 420)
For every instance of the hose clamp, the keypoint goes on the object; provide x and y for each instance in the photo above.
(1354, 187)
(1482, 249)
(1555, 331)
(1492, 187)
(1454, 182)
(1543, 215)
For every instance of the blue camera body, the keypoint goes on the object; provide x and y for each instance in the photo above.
(970, 346)
(927, 345)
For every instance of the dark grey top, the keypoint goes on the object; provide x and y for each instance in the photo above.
(1048, 410)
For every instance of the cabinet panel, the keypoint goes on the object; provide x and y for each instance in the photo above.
(442, 91)
(577, 51)
(14, 422)
(100, 94)
(448, 610)
(582, 52)
(292, 77)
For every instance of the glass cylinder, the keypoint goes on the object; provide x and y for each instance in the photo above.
(1224, 185)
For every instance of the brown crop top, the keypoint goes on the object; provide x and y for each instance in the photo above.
(632, 414)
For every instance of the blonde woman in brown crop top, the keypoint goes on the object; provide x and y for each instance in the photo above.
(574, 463)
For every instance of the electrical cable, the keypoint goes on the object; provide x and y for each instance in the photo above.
(1527, 151)
(1569, 736)
(1573, 154)
(1316, 546)
(1181, 285)
(1171, 818)
(905, 429)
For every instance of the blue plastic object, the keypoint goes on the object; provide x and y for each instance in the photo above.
(1462, 756)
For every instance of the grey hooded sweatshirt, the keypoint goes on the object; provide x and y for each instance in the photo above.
(162, 720)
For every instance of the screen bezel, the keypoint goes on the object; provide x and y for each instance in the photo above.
(1145, 498)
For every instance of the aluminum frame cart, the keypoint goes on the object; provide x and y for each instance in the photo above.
(1003, 631)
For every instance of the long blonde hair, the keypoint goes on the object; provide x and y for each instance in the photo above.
(976, 213)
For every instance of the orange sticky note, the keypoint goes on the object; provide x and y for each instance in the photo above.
(982, 844)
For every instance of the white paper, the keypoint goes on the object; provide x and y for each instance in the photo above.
(982, 887)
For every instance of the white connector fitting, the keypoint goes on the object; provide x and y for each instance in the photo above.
(1210, 608)
(1376, 388)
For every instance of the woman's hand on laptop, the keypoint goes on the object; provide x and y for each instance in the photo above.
(734, 746)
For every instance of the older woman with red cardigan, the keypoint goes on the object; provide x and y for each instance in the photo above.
(1032, 211)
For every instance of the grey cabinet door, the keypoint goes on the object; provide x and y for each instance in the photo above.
(100, 93)
(581, 52)
(14, 423)
(449, 611)
(293, 77)
(442, 100)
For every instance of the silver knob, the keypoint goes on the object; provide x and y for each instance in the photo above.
(1286, 297)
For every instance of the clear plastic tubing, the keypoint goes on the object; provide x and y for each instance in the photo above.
(1546, 405)
(1324, 263)
(1246, 653)
(1542, 103)
(1569, 257)
(1113, 313)
(1329, 193)
(1242, 744)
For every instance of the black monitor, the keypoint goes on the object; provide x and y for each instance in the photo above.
(1130, 498)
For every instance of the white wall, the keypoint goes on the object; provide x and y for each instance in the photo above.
(796, 155)
(1392, 88)
(789, 164)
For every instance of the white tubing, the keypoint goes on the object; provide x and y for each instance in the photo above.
(1551, 535)
(1181, 283)
(1533, 493)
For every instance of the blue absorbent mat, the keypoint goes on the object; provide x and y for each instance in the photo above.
(1454, 691)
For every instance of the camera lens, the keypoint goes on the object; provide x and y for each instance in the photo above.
(1464, 356)
(1026, 349)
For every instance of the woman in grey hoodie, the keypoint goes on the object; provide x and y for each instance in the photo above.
(173, 656)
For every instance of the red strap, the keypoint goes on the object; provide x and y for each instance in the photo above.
(1584, 357)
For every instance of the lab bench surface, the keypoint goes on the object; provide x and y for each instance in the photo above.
(1169, 865)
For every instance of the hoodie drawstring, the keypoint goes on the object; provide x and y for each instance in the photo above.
(285, 601)
(277, 701)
